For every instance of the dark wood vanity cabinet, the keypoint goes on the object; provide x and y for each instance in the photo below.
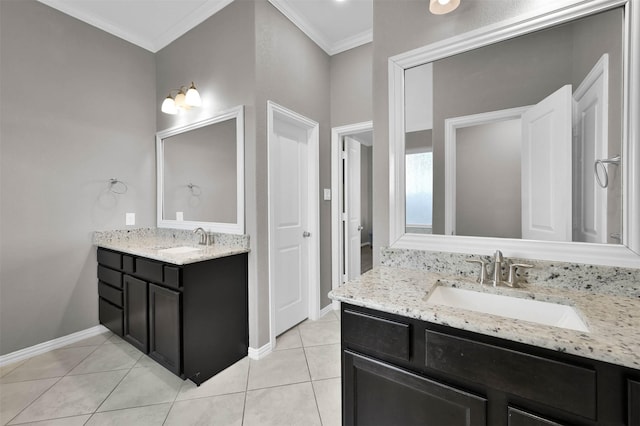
(192, 319)
(398, 370)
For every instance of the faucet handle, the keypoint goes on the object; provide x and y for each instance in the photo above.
(482, 276)
(512, 278)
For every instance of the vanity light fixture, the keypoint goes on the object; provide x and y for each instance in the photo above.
(185, 99)
(440, 7)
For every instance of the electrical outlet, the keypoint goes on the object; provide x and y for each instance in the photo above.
(179, 216)
(130, 219)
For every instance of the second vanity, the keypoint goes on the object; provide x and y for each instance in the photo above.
(183, 304)
(407, 360)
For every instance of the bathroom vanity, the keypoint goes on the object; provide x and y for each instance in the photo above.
(407, 361)
(188, 310)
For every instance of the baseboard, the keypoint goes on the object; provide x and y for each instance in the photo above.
(326, 310)
(50, 345)
(261, 352)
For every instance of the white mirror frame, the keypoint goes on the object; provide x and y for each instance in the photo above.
(236, 113)
(626, 254)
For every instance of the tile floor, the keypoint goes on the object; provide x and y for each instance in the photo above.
(105, 381)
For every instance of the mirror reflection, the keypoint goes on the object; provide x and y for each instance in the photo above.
(200, 176)
(520, 139)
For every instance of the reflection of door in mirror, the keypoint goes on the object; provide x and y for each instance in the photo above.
(200, 180)
(508, 75)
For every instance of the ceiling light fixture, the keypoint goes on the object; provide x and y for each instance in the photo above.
(185, 99)
(440, 7)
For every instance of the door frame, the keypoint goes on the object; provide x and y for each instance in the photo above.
(450, 127)
(313, 216)
(337, 237)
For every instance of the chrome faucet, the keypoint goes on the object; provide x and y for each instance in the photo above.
(203, 236)
(497, 275)
(497, 268)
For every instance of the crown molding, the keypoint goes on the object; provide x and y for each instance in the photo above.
(352, 42)
(197, 16)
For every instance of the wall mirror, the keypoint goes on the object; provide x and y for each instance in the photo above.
(201, 174)
(521, 135)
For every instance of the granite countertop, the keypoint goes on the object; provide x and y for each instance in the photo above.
(149, 243)
(613, 320)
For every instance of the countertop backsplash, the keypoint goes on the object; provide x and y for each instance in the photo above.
(168, 236)
(611, 280)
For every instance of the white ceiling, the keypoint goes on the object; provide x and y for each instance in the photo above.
(335, 26)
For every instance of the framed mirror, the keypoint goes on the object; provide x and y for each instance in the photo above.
(522, 136)
(201, 174)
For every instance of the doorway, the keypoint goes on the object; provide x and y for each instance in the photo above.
(294, 243)
(351, 212)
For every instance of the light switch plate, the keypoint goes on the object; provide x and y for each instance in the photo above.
(130, 219)
(327, 194)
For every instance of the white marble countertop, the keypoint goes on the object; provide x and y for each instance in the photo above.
(154, 251)
(613, 321)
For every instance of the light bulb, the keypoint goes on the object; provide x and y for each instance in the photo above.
(443, 2)
(192, 97)
(169, 106)
(181, 100)
(440, 7)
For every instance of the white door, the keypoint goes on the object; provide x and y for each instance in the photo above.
(546, 168)
(289, 240)
(590, 144)
(353, 215)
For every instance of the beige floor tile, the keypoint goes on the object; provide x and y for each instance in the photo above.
(282, 405)
(279, 368)
(289, 340)
(329, 316)
(92, 341)
(107, 358)
(145, 361)
(231, 380)
(224, 410)
(14, 397)
(323, 361)
(144, 386)
(150, 415)
(115, 339)
(56, 363)
(320, 333)
(6, 369)
(328, 396)
(64, 421)
(71, 396)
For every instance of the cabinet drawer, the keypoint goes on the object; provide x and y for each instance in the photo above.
(172, 276)
(110, 316)
(634, 402)
(376, 335)
(110, 276)
(522, 418)
(128, 264)
(543, 380)
(109, 293)
(110, 258)
(149, 270)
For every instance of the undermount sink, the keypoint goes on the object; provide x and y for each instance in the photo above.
(179, 250)
(546, 313)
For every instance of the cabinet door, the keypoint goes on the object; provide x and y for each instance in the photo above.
(164, 327)
(522, 418)
(135, 313)
(377, 393)
(634, 403)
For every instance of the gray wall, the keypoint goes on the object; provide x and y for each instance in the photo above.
(351, 91)
(488, 193)
(206, 158)
(292, 71)
(77, 108)
(403, 25)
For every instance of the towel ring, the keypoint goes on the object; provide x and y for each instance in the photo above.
(117, 186)
(601, 164)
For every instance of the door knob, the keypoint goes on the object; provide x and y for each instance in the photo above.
(306, 234)
(360, 228)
